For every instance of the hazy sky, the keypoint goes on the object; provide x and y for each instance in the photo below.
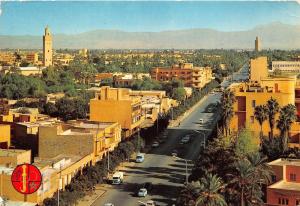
(25, 17)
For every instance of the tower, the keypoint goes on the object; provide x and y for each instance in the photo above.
(47, 48)
(257, 44)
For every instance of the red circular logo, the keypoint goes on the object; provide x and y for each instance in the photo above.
(26, 178)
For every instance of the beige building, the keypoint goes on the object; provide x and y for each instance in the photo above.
(14, 157)
(30, 71)
(47, 48)
(78, 137)
(116, 105)
(258, 69)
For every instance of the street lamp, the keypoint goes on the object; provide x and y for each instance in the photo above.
(186, 167)
(204, 136)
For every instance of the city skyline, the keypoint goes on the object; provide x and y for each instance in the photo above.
(23, 18)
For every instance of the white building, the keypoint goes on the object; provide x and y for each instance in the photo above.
(286, 66)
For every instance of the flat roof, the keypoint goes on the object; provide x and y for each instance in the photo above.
(90, 124)
(284, 185)
(285, 161)
(43, 162)
(11, 152)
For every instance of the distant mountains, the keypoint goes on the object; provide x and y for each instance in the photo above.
(275, 36)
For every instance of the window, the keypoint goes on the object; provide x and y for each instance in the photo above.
(292, 177)
(253, 103)
(297, 202)
(273, 178)
(252, 119)
(283, 201)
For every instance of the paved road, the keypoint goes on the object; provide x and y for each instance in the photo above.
(165, 172)
(241, 75)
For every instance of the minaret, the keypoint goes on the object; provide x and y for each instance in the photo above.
(257, 44)
(47, 48)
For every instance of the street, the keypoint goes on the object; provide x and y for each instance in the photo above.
(166, 173)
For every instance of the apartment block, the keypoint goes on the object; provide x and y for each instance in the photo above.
(192, 76)
(285, 189)
(250, 95)
(116, 105)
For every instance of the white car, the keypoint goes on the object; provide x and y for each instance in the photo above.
(155, 144)
(109, 204)
(201, 121)
(142, 192)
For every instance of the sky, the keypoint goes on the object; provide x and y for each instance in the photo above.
(30, 17)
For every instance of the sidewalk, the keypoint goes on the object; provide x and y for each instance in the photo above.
(174, 123)
(102, 188)
(91, 198)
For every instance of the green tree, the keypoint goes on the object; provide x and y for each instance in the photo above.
(179, 94)
(273, 109)
(261, 115)
(210, 188)
(287, 116)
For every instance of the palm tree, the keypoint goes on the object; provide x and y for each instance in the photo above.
(262, 170)
(227, 101)
(286, 117)
(209, 189)
(273, 109)
(243, 179)
(261, 115)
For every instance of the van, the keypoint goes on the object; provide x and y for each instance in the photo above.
(140, 157)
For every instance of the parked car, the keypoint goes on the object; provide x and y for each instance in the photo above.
(142, 192)
(155, 144)
(140, 157)
(109, 204)
(174, 153)
(201, 121)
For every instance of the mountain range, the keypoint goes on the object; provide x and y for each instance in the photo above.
(275, 35)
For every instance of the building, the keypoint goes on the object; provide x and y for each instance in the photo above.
(4, 136)
(92, 138)
(14, 157)
(47, 48)
(249, 95)
(154, 103)
(257, 44)
(57, 172)
(285, 189)
(7, 58)
(116, 105)
(32, 58)
(191, 76)
(30, 71)
(62, 59)
(286, 66)
(83, 53)
(258, 69)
